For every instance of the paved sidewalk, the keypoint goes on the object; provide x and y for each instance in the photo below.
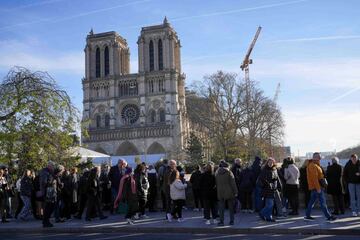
(194, 223)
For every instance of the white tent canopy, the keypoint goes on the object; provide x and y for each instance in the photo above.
(86, 154)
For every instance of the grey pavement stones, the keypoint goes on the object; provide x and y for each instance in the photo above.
(194, 223)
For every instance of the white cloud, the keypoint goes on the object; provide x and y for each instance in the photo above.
(312, 129)
(15, 53)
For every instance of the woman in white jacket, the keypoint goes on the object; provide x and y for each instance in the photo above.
(292, 176)
(177, 194)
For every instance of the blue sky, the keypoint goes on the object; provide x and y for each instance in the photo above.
(312, 47)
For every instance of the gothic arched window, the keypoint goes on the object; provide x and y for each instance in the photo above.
(97, 63)
(152, 116)
(98, 121)
(106, 60)
(151, 53)
(162, 115)
(160, 52)
(107, 120)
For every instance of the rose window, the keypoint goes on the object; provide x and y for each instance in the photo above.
(130, 114)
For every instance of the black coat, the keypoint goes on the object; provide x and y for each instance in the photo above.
(269, 181)
(350, 171)
(333, 177)
(208, 186)
(303, 179)
(246, 180)
(195, 180)
(26, 186)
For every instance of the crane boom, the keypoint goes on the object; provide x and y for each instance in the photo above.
(247, 59)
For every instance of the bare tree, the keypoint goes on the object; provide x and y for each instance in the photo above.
(236, 113)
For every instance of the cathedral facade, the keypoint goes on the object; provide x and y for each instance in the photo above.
(129, 114)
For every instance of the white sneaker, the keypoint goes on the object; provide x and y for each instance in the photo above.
(215, 221)
(129, 221)
(354, 214)
(196, 210)
(180, 219)
(144, 216)
(169, 217)
(207, 222)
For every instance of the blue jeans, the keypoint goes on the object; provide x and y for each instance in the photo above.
(314, 195)
(26, 210)
(354, 191)
(258, 199)
(266, 212)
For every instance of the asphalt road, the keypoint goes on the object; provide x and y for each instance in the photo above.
(147, 236)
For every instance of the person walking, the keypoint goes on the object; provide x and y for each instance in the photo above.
(226, 191)
(270, 182)
(335, 188)
(26, 188)
(291, 176)
(82, 193)
(256, 169)
(315, 178)
(161, 174)
(352, 178)
(166, 187)
(304, 183)
(127, 195)
(177, 193)
(209, 194)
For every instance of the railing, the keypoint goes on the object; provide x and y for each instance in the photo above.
(128, 133)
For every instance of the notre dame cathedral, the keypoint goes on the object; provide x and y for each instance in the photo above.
(140, 113)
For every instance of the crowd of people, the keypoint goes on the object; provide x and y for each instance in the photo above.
(264, 187)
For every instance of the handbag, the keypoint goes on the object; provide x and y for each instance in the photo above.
(323, 183)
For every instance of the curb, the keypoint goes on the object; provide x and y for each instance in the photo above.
(136, 229)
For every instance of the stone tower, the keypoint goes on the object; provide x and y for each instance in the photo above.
(135, 114)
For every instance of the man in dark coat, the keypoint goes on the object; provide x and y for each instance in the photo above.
(195, 180)
(152, 177)
(115, 174)
(48, 190)
(82, 192)
(335, 189)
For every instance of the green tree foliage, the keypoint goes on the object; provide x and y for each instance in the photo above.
(195, 149)
(37, 119)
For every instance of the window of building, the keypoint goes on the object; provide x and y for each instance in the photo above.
(106, 60)
(107, 120)
(162, 115)
(161, 85)
(152, 116)
(160, 51)
(97, 63)
(151, 53)
(130, 114)
(98, 121)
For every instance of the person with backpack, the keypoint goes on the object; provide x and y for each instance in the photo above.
(127, 196)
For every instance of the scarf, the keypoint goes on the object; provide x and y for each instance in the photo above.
(121, 187)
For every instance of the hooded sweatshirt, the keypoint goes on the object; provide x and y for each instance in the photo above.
(225, 182)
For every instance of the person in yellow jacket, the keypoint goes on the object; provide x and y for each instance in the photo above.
(314, 176)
